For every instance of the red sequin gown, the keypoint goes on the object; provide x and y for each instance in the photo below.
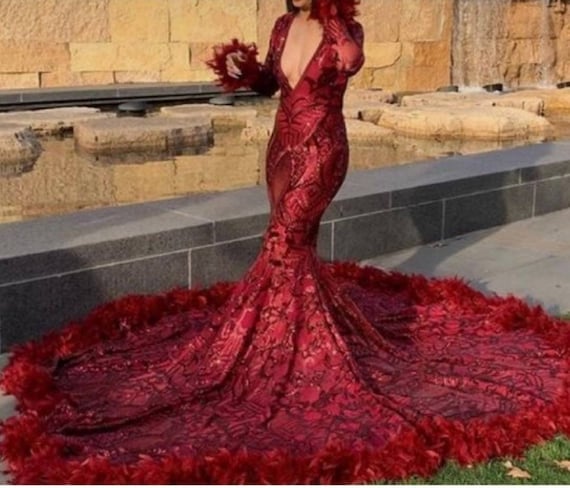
(303, 371)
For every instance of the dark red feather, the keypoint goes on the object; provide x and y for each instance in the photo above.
(249, 67)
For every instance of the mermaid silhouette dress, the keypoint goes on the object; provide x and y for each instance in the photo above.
(303, 371)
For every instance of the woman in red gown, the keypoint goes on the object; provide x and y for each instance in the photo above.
(303, 371)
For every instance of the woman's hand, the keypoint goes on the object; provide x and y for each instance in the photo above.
(232, 64)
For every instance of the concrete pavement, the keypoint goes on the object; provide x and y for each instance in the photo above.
(529, 258)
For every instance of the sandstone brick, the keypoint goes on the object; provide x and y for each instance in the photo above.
(425, 77)
(524, 20)
(68, 42)
(425, 20)
(432, 53)
(179, 69)
(267, 13)
(200, 52)
(23, 56)
(258, 130)
(143, 20)
(19, 80)
(363, 79)
(137, 76)
(201, 75)
(382, 54)
(61, 182)
(54, 21)
(381, 20)
(60, 78)
(386, 78)
(150, 181)
(218, 172)
(70, 78)
(524, 51)
(181, 54)
(97, 77)
(135, 56)
(207, 22)
(407, 56)
(175, 75)
(19, 149)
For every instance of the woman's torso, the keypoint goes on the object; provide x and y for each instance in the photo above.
(316, 100)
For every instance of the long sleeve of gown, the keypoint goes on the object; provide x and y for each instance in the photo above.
(257, 76)
(349, 44)
(265, 81)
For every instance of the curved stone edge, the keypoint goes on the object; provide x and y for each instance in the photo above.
(155, 136)
(527, 102)
(368, 96)
(360, 132)
(220, 116)
(19, 149)
(54, 121)
(556, 101)
(465, 123)
(549, 102)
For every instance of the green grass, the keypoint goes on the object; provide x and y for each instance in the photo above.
(539, 462)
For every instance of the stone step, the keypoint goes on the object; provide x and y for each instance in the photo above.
(464, 123)
(53, 121)
(556, 102)
(131, 137)
(524, 101)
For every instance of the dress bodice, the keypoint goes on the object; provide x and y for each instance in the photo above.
(317, 97)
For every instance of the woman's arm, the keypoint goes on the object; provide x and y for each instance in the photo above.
(237, 67)
(348, 41)
(264, 81)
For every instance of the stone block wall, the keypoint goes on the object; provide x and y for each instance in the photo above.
(51, 43)
(517, 42)
(537, 43)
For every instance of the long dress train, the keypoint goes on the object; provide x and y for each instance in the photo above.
(303, 371)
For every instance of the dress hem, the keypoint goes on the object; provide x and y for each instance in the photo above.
(35, 456)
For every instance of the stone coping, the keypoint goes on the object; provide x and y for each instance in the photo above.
(20, 99)
(57, 268)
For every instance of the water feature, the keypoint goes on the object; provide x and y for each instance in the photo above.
(547, 51)
(478, 46)
(487, 50)
(64, 179)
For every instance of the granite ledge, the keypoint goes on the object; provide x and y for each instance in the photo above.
(89, 238)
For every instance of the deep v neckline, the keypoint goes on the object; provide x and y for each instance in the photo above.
(309, 63)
